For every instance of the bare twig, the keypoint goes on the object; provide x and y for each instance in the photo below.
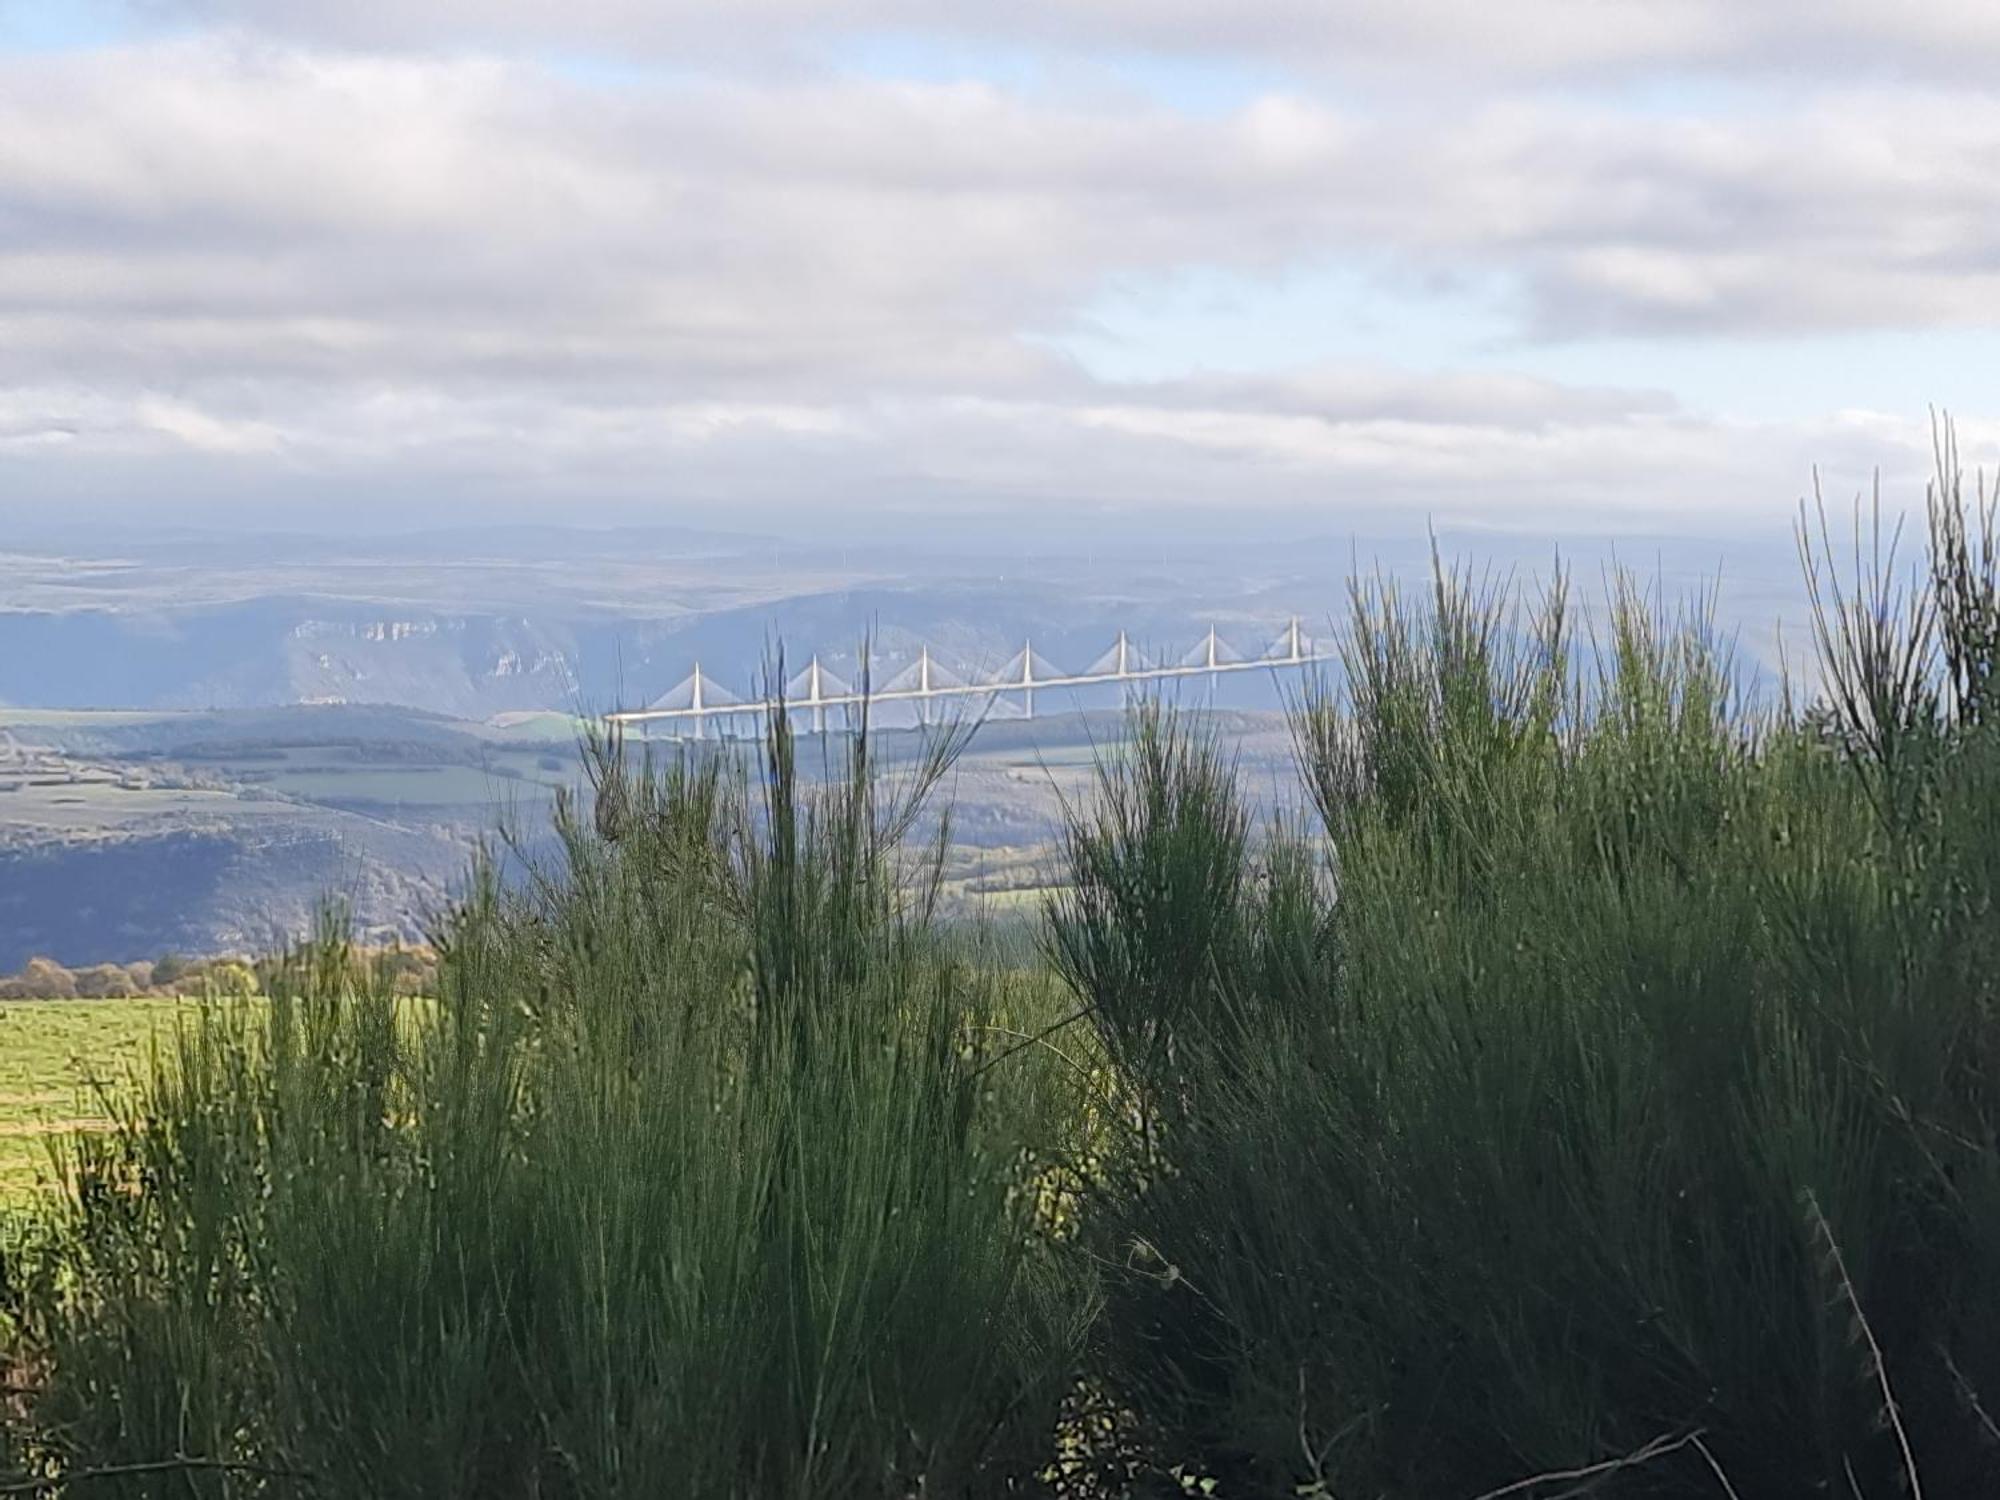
(1715, 1468)
(1880, 1370)
(1032, 1040)
(1969, 1396)
(1316, 1456)
(1040, 1039)
(1659, 1447)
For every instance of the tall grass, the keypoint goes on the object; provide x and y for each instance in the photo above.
(1618, 1103)
(689, 1182)
(1599, 1092)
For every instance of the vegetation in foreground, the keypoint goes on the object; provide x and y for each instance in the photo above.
(1599, 1098)
(692, 1181)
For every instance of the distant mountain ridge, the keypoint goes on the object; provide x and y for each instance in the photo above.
(290, 716)
(485, 621)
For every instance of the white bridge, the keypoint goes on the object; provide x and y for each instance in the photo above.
(816, 692)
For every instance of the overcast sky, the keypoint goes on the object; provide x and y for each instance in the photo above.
(1553, 265)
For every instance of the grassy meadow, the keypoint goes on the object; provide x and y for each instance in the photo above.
(1598, 1092)
(61, 1063)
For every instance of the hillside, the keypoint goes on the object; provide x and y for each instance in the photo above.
(477, 625)
(124, 835)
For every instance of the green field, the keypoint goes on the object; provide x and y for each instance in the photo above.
(57, 1057)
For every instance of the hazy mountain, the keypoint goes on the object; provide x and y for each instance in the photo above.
(209, 732)
(476, 624)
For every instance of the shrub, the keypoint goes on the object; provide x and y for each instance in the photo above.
(692, 1179)
(40, 979)
(103, 982)
(1600, 1093)
(1614, 1082)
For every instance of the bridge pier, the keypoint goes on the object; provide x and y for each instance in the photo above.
(697, 699)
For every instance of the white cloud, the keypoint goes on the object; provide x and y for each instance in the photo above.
(448, 272)
(1333, 450)
(205, 202)
(202, 431)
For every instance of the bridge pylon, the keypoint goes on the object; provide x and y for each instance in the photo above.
(817, 691)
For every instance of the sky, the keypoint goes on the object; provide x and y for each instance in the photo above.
(1270, 268)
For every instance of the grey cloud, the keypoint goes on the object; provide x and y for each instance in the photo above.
(195, 207)
(1370, 394)
(232, 265)
(1537, 37)
(1320, 454)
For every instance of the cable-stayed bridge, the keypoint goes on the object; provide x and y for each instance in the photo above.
(821, 698)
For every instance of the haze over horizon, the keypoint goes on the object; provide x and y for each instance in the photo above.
(1276, 268)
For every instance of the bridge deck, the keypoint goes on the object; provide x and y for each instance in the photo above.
(1026, 683)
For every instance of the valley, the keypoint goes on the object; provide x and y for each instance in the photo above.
(125, 835)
